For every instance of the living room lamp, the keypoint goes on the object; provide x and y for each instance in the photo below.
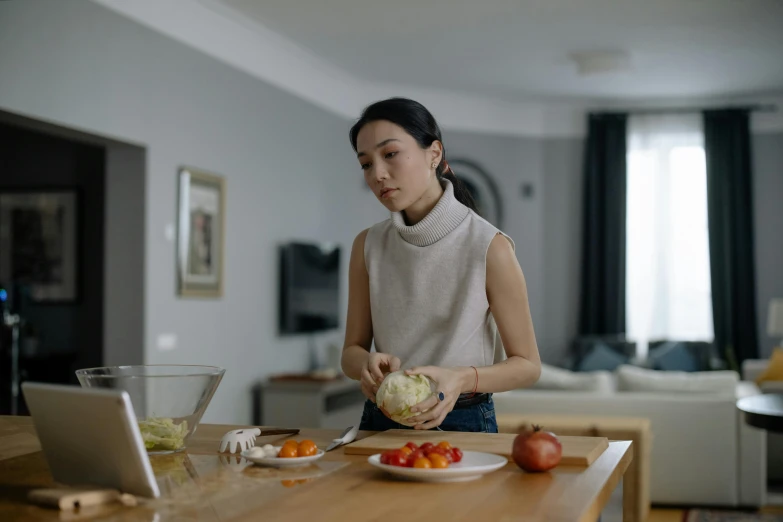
(775, 319)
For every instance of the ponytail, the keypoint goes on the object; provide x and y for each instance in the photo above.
(461, 192)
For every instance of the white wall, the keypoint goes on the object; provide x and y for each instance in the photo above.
(562, 245)
(123, 305)
(768, 220)
(286, 163)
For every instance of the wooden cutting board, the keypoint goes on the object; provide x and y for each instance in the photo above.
(577, 451)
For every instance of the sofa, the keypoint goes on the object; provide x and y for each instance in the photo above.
(703, 454)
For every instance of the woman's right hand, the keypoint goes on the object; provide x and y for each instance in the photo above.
(374, 371)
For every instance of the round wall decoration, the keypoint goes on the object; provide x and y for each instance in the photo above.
(482, 187)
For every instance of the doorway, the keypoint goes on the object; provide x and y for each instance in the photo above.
(63, 271)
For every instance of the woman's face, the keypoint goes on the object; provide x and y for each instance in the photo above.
(395, 167)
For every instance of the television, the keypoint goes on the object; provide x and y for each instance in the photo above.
(309, 287)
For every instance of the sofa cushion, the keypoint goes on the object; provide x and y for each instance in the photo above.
(601, 357)
(554, 378)
(633, 379)
(686, 356)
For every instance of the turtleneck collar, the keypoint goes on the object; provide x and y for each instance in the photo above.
(445, 217)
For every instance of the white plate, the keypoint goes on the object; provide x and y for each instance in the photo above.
(276, 462)
(473, 465)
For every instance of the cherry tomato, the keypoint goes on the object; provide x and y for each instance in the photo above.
(406, 450)
(439, 461)
(291, 442)
(422, 462)
(444, 444)
(288, 451)
(385, 456)
(437, 451)
(456, 454)
(398, 459)
(288, 483)
(426, 447)
(307, 448)
(412, 445)
(418, 454)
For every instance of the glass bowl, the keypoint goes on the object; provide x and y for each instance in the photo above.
(168, 400)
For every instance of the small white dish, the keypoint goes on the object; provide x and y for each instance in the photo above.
(277, 462)
(474, 465)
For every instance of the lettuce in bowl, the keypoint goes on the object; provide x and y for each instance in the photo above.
(161, 433)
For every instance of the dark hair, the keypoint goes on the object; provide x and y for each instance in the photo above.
(417, 121)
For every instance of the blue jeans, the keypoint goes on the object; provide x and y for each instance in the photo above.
(478, 418)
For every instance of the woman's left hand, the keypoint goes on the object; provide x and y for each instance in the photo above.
(448, 381)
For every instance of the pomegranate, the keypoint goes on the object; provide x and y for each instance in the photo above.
(536, 450)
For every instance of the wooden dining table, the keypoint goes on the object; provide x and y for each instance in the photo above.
(202, 484)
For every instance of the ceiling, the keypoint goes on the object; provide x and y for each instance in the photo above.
(520, 49)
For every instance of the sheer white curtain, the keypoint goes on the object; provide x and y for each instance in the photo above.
(668, 269)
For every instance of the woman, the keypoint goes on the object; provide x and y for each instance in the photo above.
(434, 284)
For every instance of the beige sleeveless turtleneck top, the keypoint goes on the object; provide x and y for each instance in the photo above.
(428, 294)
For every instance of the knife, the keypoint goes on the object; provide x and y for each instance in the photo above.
(347, 436)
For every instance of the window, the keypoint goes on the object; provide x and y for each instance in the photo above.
(668, 293)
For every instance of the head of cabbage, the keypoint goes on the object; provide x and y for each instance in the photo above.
(399, 392)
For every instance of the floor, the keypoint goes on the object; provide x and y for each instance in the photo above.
(675, 515)
(614, 513)
(774, 505)
(666, 515)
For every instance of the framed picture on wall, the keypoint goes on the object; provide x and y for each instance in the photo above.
(39, 243)
(200, 234)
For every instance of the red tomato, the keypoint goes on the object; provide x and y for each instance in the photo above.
(437, 451)
(418, 454)
(397, 458)
(412, 445)
(385, 456)
(456, 454)
(426, 447)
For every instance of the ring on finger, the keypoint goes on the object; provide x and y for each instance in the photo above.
(441, 396)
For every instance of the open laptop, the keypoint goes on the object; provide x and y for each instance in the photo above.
(90, 438)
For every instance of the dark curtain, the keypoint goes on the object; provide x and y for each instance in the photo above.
(730, 217)
(602, 302)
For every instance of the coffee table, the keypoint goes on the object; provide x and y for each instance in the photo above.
(763, 411)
